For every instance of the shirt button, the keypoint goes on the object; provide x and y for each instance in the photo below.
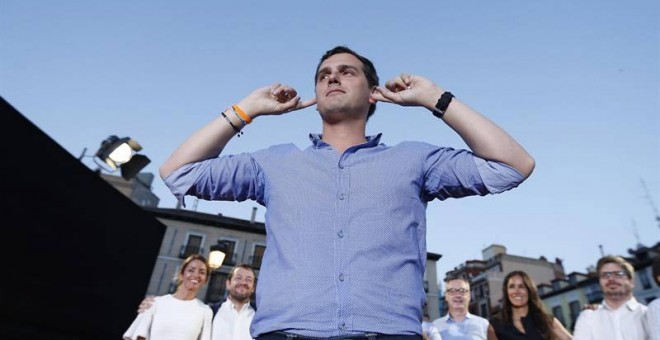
(341, 277)
(341, 166)
(340, 234)
(341, 197)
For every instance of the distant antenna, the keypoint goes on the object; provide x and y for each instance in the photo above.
(602, 253)
(635, 233)
(648, 198)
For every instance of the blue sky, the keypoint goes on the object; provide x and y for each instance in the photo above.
(577, 83)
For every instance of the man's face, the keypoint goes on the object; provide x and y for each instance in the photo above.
(241, 285)
(614, 282)
(457, 295)
(341, 86)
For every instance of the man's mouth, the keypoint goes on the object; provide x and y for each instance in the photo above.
(333, 92)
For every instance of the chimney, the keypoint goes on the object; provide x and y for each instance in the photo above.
(254, 214)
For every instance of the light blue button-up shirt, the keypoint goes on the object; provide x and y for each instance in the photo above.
(345, 233)
(473, 327)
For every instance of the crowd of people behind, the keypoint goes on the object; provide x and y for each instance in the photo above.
(522, 316)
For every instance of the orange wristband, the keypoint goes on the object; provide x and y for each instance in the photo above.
(241, 113)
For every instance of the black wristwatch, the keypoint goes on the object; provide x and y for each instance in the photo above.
(442, 104)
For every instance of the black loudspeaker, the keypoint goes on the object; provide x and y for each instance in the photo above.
(77, 255)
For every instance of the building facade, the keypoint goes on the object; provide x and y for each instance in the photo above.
(486, 276)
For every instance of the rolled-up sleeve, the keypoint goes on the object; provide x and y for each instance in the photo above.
(459, 173)
(498, 177)
(229, 178)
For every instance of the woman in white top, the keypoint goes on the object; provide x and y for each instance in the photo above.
(178, 316)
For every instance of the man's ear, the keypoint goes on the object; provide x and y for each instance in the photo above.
(371, 97)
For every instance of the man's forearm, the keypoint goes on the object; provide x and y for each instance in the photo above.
(205, 143)
(486, 139)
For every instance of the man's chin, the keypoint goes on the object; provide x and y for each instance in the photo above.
(240, 297)
(616, 294)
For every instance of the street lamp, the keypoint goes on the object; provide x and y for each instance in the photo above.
(217, 254)
(121, 153)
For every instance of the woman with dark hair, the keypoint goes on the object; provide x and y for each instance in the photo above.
(523, 315)
(178, 316)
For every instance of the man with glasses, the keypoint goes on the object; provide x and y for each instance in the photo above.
(459, 323)
(620, 316)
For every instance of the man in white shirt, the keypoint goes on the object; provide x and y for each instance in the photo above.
(231, 318)
(620, 316)
(653, 313)
(459, 323)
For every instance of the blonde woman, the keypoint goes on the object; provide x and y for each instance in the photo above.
(178, 316)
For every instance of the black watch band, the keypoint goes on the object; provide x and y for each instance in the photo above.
(442, 104)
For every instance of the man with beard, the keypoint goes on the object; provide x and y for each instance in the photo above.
(459, 323)
(231, 318)
(620, 316)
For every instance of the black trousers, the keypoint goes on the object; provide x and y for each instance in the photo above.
(369, 336)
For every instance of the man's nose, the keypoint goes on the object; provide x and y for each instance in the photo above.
(333, 78)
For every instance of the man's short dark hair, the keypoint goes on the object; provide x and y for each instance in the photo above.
(241, 265)
(367, 67)
(460, 278)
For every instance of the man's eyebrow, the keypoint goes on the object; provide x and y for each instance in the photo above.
(341, 67)
(323, 70)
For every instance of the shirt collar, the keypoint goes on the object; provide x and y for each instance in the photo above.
(631, 304)
(320, 144)
(245, 306)
(449, 317)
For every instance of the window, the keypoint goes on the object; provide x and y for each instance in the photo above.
(193, 246)
(559, 314)
(230, 256)
(258, 255)
(575, 311)
(483, 310)
(644, 279)
(216, 290)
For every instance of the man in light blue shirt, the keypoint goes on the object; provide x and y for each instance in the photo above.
(346, 216)
(459, 323)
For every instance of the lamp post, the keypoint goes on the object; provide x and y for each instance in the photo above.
(217, 254)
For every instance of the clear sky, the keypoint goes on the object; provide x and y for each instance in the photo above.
(577, 83)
